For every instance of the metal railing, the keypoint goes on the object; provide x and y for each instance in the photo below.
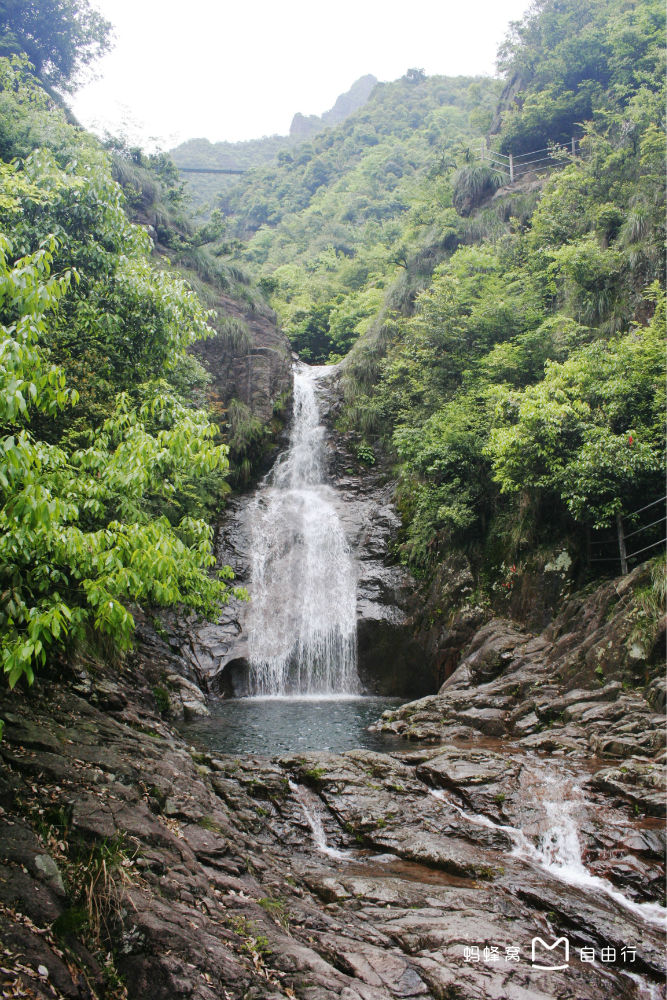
(638, 555)
(514, 167)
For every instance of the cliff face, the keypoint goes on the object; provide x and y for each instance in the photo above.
(249, 358)
(592, 682)
(351, 101)
(253, 366)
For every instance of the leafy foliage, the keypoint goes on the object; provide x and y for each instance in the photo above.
(59, 37)
(591, 430)
(506, 350)
(521, 380)
(101, 450)
(574, 58)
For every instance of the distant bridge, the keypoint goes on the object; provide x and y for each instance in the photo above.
(209, 170)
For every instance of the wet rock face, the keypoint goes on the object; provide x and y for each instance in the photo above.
(360, 876)
(391, 661)
(255, 368)
(573, 689)
(447, 617)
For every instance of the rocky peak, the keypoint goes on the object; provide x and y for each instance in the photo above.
(346, 104)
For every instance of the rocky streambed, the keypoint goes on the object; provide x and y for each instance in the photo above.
(520, 827)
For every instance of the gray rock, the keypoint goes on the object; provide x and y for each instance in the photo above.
(222, 890)
(253, 367)
(48, 869)
(641, 782)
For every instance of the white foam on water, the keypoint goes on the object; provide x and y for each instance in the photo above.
(647, 991)
(559, 848)
(314, 820)
(302, 620)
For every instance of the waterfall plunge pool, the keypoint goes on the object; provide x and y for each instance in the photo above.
(301, 623)
(274, 725)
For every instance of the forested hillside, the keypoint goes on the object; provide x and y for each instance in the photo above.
(207, 189)
(523, 395)
(505, 340)
(329, 227)
(110, 470)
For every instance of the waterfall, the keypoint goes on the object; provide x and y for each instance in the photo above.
(314, 820)
(558, 850)
(302, 618)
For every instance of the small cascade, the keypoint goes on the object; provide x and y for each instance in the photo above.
(302, 617)
(646, 990)
(559, 846)
(558, 850)
(313, 818)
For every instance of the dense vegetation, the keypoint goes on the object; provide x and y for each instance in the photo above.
(504, 342)
(206, 190)
(105, 459)
(330, 225)
(573, 63)
(523, 395)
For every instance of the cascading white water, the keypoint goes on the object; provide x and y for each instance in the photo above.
(302, 617)
(314, 821)
(559, 850)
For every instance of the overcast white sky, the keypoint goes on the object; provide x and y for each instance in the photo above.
(241, 70)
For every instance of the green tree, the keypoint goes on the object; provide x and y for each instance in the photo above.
(104, 458)
(569, 58)
(59, 37)
(591, 431)
(78, 540)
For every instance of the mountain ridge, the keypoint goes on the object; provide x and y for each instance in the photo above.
(345, 105)
(202, 153)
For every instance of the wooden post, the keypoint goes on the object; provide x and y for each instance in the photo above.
(621, 545)
(511, 169)
(574, 148)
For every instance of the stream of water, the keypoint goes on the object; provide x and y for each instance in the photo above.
(302, 618)
(311, 812)
(558, 848)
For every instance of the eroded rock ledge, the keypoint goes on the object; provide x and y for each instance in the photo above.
(132, 864)
(588, 684)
